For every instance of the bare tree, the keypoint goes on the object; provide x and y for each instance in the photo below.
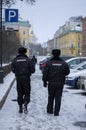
(11, 2)
(11, 42)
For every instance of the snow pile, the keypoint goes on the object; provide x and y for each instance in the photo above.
(5, 86)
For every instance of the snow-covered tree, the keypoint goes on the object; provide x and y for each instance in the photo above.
(11, 2)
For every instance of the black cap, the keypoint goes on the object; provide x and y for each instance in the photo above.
(56, 52)
(22, 50)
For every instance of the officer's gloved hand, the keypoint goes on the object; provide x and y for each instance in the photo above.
(45, 84)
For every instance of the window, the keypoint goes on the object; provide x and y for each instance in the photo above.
(23, 42)
(74, 62)
(23, 32)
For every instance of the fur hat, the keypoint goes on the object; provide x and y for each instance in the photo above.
(22, 50)
(56, 52)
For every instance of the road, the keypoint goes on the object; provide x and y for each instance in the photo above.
(72, 115)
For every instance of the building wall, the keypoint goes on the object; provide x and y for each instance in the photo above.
(24, 27)
(70, 43)
(68, 37)
(24, 35)
(50, 45)
(84, 37)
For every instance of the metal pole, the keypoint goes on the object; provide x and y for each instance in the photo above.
(1, 69)
(1, 33)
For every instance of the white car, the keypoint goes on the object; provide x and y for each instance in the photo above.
(75, 61)
(81, 83)
(81, 66)
(72, 78)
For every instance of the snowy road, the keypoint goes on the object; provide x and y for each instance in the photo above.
(72, 110)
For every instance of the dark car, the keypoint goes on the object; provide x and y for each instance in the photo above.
(43, 62)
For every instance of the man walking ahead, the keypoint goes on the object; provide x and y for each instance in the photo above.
(23, 67)
(54, 74)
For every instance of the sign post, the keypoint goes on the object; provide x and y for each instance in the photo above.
(1, 69)
(11, 15)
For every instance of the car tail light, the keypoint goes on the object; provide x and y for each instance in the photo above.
(43, 65)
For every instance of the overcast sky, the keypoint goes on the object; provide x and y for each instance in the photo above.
(46, 16)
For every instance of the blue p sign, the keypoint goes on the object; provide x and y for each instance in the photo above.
(11, 15)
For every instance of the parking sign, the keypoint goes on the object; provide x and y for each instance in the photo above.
(11, 15)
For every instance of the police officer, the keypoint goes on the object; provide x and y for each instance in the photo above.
(23, 67)
(54, 74)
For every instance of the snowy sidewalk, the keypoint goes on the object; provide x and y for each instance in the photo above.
(5, 87)
(72, 115)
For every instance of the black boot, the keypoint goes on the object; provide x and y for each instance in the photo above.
(25, 108)
(20, 109)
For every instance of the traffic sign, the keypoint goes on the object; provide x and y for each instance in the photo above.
(11, 15)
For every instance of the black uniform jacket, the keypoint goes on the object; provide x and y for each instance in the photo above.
(55, 71)
(22, 65)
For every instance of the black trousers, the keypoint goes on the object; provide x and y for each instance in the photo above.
(54, 98)
(23, 89)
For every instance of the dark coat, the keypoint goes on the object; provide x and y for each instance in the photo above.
(55, 71)
(22, 65)
(34, 59)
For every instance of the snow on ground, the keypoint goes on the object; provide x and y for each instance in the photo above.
(72, 110)
(5, 86)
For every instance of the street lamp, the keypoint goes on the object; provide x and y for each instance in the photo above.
(1, 69)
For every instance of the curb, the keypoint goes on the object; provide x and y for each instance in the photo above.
(6, 94)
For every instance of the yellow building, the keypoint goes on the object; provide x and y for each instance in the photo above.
(24, 27)
(27, 35)
(68, 37)
(71, 43)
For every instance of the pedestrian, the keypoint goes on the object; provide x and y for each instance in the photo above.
(22, 67)
(54, 76)
(34, 59)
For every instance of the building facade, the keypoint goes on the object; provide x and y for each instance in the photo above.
(23, 30)
(84, 37)
(24, 27)
(50, 46)
(68, 37)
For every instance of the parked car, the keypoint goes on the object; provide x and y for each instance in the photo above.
(72, 78)
(66, 57)
(43, 62)
(75, 61)
(80, 66)
(81, 83)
